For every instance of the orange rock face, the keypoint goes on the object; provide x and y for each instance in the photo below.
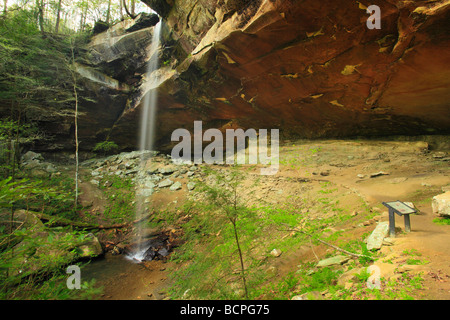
(310, 68)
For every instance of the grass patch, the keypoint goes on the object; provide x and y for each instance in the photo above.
(442, 221)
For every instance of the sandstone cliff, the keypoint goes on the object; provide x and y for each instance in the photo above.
(311, 68)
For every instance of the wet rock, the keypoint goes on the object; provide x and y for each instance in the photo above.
(91, 248)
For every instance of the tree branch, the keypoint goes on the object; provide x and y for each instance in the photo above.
(356, 255)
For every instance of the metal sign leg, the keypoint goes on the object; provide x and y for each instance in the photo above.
(391, 223)
(407, 223)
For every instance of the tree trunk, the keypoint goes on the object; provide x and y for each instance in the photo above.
(5, 8)
(81, 22)
(108, 13)
(40, 7)
(75, 93)
(133, 7)
(58, 14)
(233, 222)
(121, 10)
(126, 10)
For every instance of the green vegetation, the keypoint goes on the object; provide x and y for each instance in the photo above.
(106, 147)
(442, 221)
(209, 260)
(121, 198)
(33, 255)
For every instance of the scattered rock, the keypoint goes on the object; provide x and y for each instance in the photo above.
(176, 186)
(167, 170)
(191, 186)
(336, 260)
(275, 252)
(375, 240)
(439, 155)
(30, 155)
(441, 204)
(377, 174)
(165, 183)
(91, 248)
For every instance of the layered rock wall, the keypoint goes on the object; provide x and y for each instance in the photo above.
(310, 68)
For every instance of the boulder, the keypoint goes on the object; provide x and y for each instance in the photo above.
(144, 20)
(43, 251)
(165, 183)
(441, 204)
(336, 260)
(375, 240)
(99, 27)
(275, 252)
(175, 186)
(30, 155)
(91, 248)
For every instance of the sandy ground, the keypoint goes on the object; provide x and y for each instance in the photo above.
(374, 171)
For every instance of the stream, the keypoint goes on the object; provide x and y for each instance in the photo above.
(123, 279)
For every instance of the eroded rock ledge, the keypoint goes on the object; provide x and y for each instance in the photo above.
(311, 68)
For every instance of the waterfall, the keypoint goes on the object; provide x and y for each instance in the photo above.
(150, 100)
(147, 133)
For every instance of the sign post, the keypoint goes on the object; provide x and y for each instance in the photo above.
(401, 209)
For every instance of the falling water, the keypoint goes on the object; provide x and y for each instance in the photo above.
(150, 100)
(147, 132)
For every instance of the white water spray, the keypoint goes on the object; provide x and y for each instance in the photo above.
(147, 132)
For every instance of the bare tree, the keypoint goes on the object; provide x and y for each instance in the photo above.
(72, 69)
(40, 7)
(58, 15)
(108, 12)
(5, 8)
(127, 11)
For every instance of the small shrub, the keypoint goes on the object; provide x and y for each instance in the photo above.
(105, 147)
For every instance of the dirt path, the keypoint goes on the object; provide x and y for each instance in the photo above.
(406, 173)
(410, 176)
